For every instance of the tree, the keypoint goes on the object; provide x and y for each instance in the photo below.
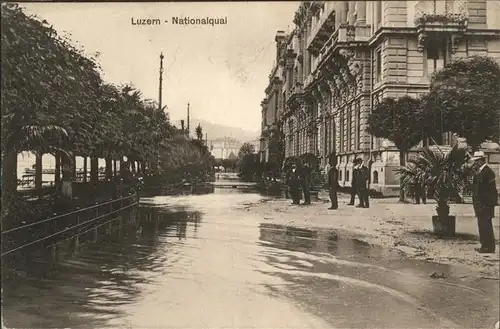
(464, 98)
(49, 92)
(199, 132)
(445, 175)
(54, 101)
(400, 121)
(246, 161)
(276, 151)
(246, 148)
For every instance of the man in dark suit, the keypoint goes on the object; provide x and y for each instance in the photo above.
(363, 180)
(354, 181)
(420, 192)
(306, 183)
(333, 181)
(294, 184)
(484, 199)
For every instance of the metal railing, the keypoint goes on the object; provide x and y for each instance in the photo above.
(453, 10)
(51, 227)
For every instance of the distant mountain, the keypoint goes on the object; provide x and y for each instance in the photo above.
(216, 131)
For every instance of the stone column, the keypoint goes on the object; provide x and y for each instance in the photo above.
(289, 76)
(351, 12)
(306, 67)
(378, 17)
(273, 107)
(360, 12)
(300, 63)
(341, 9)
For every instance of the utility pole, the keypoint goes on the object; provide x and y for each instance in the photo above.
(159, 109)
(161, 81)
(188, 132)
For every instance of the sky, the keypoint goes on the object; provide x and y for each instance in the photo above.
(221, 71)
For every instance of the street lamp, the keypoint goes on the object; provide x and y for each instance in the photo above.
(159, 109)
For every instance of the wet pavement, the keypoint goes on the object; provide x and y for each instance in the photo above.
(201, 261)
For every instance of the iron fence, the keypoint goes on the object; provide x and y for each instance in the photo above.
(63, 226)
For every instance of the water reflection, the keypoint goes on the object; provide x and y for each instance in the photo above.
(355, 283)
(197, 261)
(98, 283)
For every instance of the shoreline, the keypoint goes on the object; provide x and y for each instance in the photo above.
(387, 223)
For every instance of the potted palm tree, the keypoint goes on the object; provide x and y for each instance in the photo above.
(445, 175)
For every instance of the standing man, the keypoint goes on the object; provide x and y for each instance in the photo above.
(306, 183)
(363, 181)
(420, 192)
(294, 184)
(484, 199)
(333, 181)
(354, 181)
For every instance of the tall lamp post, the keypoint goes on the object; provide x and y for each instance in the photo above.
(159, 109)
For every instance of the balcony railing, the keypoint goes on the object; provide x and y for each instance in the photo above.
(440, 11)
(309, 79)
(322, 30)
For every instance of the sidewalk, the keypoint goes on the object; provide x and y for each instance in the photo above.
(407, 227)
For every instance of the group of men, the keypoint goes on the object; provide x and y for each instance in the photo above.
(359, 183)
(484, 196)
(299, 178)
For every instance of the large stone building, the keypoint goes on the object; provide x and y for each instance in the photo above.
(222, 148)
(345, 56)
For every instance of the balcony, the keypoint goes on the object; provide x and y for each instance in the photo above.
(441, 15)
(321, 31)
(438, 19)
(296, 96)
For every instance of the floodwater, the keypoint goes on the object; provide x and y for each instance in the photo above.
(202, 261)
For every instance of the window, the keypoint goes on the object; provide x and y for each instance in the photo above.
(342, 130)
(297, 143)
(358, 125)
(310, 62)
(375, 177)
(436, 56)
(325, 137)
(378, 65)
(276, 104)
(347, 175)
(349, 128)
(332, 135)
(340, 175)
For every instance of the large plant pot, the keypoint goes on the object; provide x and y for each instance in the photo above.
(444, 226)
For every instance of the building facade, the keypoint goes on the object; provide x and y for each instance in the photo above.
(345, 56)
(222, 148)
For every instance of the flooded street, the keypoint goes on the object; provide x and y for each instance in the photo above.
(202, 261)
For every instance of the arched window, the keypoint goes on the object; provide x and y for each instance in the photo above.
(375, 177)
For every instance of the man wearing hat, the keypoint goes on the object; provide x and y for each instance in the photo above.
(294, 183)
(333, 181)
(484, 199)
